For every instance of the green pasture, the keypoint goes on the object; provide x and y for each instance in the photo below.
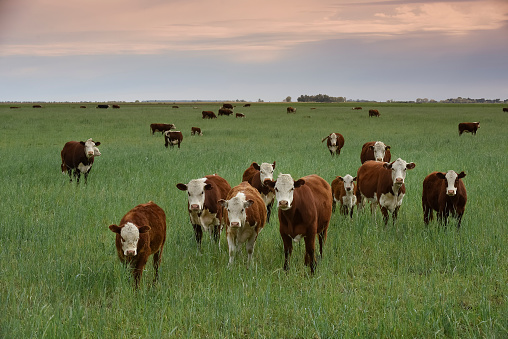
(60, 276)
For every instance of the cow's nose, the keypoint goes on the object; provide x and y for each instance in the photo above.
(283, 203)
(379, 159)
(399, 180)
(451, 192)
(235, 224)
(130, 253)
(348, 189)
(194, 207)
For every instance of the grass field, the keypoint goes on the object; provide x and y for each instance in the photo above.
(60, 276)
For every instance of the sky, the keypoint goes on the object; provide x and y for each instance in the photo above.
(127, 50)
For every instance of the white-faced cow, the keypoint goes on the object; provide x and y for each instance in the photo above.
(78, 156)
(375, 150)
(334, 142)
(244, 217)
(173, 138)
(471, 127)
(383, 183)
(344, 192)
(196, 130)
(291, 110)
(256, 176)
(444, 193)
(205, 212)
(305, 209)
(141, 233)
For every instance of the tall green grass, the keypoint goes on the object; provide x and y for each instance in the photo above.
(60, 276)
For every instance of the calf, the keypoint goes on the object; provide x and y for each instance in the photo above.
(196, 130)
(240, 115)
(141, 233)
(208, 115)
(244, 217)
(444, 193)
(161, 127)
(374, 113)
(344, 191)
(173, 138)
(469, 127)
(305, 209)
(79, 157)
(256, 175)
(205, 212)
(375, 150)
(291, 110)
(383, 183)
(334, 142)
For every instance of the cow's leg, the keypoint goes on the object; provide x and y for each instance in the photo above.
(216, 232)
(427, 214)
(77, 175)
(232, 246)
(86, 177)
(310, 255)
(459, 220)
(288, 248)
(384, 211)
(334, 203)
(156, 262)
(69, 171)
(178, 144)
(137, 272)
(395, 214)
(249, 246)
(351, 212)
(322, 240)
(268, 212)
(198, 232)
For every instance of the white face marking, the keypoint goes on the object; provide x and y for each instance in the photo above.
(130, 237)
(379, 151)
(236, 210)
(196, 193)
(451, 176)
(96, 152)
(84, 169)
(333, 139)
(348, 184)
(399, 167)
(89, 148)
(266, 171)
(284, 189)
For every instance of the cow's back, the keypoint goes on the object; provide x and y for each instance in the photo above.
(249, 173)
(316, 194)
(220, 190)
(370, 175)
(432, 186)
(73, 153)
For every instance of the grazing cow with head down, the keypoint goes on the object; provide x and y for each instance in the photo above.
(374, 113)
(204, 210)
(305, 209)
(173, 138)
(469, 127)
(291, 110)
(383, 183)
(141, 233)
(256, 176)
(116, 106)
(196, 130)
(444, 193)
(230, 106)
(356, 108)
(344, 191)
(102, 106)
(246, 105)
(79, 157)
(334, 142)
(240, 115)
(375, 150)
(244, 217)
(225, 111)
(208, 115)
(505, 109)
(161, 127)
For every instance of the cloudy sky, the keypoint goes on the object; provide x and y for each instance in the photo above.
(98, 50)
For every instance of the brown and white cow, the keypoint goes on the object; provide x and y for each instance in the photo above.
(356, 108)
(161, 127)
(244, 217)
(205, 212)
(383, 183)
(240, 115)
(208, 115)
(196, 130)
(173, 138)
(256, 176)
(225, 111)
(229, 106)
(305, 209)
(469, 127)
(505, 109)
(444, 193)
(140, 234)
(78, 156)
(374, 113)
(334, 142)
(344, 192)
(375, 150)
(116, 106)
(291, 110)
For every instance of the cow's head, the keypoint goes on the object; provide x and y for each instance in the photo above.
(266, 171)
(89, 147)
(379, 149)
(284, 188)
(129, 237)
(452, 179)
(236, 209)
(349, 183)
(332, 139)
(196, 193)
(398, 168)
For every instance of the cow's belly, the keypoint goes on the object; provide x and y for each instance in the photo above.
(349, 200)
(175, 141)
(84, 168)
(208, 220)
(390, 201)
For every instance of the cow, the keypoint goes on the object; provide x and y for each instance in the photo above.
(246, 105)
(82, 106)
(469, 127)
(78, 156)
(446, 194)
(305, 209)
(196, 130)
(175, 106)
(356, 108)
(116, 106)
(208, 115)
(334, 142)
(374, 113)
(256, 175)
(240, 115)
(344, 191)
(225, 111)
(230, 106)
(505, 109)
(161, 128)
(173, 138)
(382, 183)
(205, 212)
(375, 150)
(244, 217)
(14, 107)
(291, 110)
(36, 106)
(140, 234)
(102, 106)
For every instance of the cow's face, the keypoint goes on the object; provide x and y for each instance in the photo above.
(196, 193)
(266, 171)
(452, 180)
(90, 147)
(398, 168)
(236, 209)
(348, 182)
(333, 139)
(379, 149)
(129, 237)
(284, 189)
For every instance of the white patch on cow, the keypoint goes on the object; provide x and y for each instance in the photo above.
(390, 201)
(84, 168)
(298, 238)
(266, 171)
(236, 210)
(268, 198)
(284, 189)
(196, 194)
(379, 151)
(451, 176)
(208, 221)
(333, 139)
(130, 237)
(89, 148)
(333, 148)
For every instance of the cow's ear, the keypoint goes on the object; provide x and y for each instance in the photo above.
(82, 143)
(269, 183)
(339, 178)
(354, 179)
(441, 175)
(371, 147)
(208, 187)
(181, 187)
(114, 228)
(248, 203)
(97, 143)
(273, 165)
(461, 175)
(387, 148)
(299, 182)
(144, 229)
(256, 166)
(223, 203)
(387, 165)
(411, 165)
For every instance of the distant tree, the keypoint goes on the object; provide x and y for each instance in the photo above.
(261, 100)
(288, 99)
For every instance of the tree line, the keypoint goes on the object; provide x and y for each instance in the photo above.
(320, 98)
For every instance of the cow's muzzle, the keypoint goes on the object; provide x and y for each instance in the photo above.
(450, 193)
(234, 224)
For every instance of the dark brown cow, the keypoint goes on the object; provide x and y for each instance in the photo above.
(505, 109)
(375, 150)
(36, 106)
(205, 212)
(173, 138)
(383, 183)
(446, 194)
(141, 233)
(116, 106)
(305, 209)
(256, 176)
(208, 115)
(244, 217)
(225, 111)
(196, 130)
(334, 142)
(291, 110)
(356, 108)
(161, 127)
(82, 106)
(344, 191)
(246, 105)
(102, 106)
(240, 115)
(469, 127)
(175, 106)
(230, 106)
(374, 113)
(14, 107)
(78, 156)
